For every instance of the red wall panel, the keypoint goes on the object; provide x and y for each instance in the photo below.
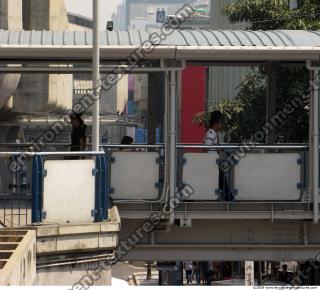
(193, 96)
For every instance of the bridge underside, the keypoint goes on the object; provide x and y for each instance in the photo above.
(224, 240)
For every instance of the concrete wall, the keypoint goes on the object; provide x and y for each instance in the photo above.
(141, 91)
(44, 93)
(68, 275)
(18, 261)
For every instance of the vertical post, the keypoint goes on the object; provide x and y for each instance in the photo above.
(95, 78)
(149, 271)
(173, 143)
(152, 124)
(310, 134)
(259, 270)
(273, 71)
(314, 139)
(155, 104)
(37, 188)
(166, 134)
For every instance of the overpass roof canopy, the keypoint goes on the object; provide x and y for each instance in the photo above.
(189, 45)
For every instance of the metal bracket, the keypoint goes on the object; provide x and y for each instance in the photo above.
(44, 214)
(95, 172)
(183, 161)
(218, 192)
(235, 192)
(158, 185)
(112, 159)
(235, 162)
(183, 185)
(111, 190)
(45, 173)
(159, 160)
(185, 223)
(300, 161)
(93, 212)
(300, 185)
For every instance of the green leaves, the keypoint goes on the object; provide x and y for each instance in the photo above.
(246, 114)
(275, 14)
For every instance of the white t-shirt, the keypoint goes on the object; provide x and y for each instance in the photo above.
(212, 138)
(188, 265)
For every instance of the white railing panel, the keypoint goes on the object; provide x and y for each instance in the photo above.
(201, 173)
(134, 175)
(268, 177)
(69, 191)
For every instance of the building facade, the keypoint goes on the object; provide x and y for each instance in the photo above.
(142, 14)
(223, 81)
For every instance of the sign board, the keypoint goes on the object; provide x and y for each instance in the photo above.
(69, 191)
(156, 13)
(249, 273)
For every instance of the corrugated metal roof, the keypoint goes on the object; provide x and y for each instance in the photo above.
(190, 45)
(277, 38)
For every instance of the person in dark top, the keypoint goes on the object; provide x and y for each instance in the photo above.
(78, 134)
(126, 140)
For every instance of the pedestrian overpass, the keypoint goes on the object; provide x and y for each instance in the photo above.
(274, 211)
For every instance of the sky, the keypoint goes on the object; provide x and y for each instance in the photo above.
(84, 7)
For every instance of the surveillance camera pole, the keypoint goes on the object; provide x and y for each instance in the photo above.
(96, 78)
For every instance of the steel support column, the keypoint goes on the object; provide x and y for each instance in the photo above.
(173, 142)
(96, 77)
(272, 91)
(314, 139)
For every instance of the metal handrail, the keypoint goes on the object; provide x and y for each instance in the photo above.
(201, 146)
(179, 146)
(67, 153)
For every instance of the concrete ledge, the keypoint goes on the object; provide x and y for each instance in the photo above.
(55, 239)
(17, 257)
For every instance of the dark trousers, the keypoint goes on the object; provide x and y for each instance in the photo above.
(189, 276)
(224, 186)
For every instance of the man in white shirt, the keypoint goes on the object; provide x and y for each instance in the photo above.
(188, 267)
(215, 125)
(211, 139)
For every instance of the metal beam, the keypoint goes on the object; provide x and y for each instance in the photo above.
(226, 215)
(73, 70)
(223, 252)
(190, 53)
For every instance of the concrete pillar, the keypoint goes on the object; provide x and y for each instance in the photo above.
(44, 15)
(44, 93)
(10, 18)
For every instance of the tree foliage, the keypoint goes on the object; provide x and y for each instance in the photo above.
(245, 115)
(275, 14)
